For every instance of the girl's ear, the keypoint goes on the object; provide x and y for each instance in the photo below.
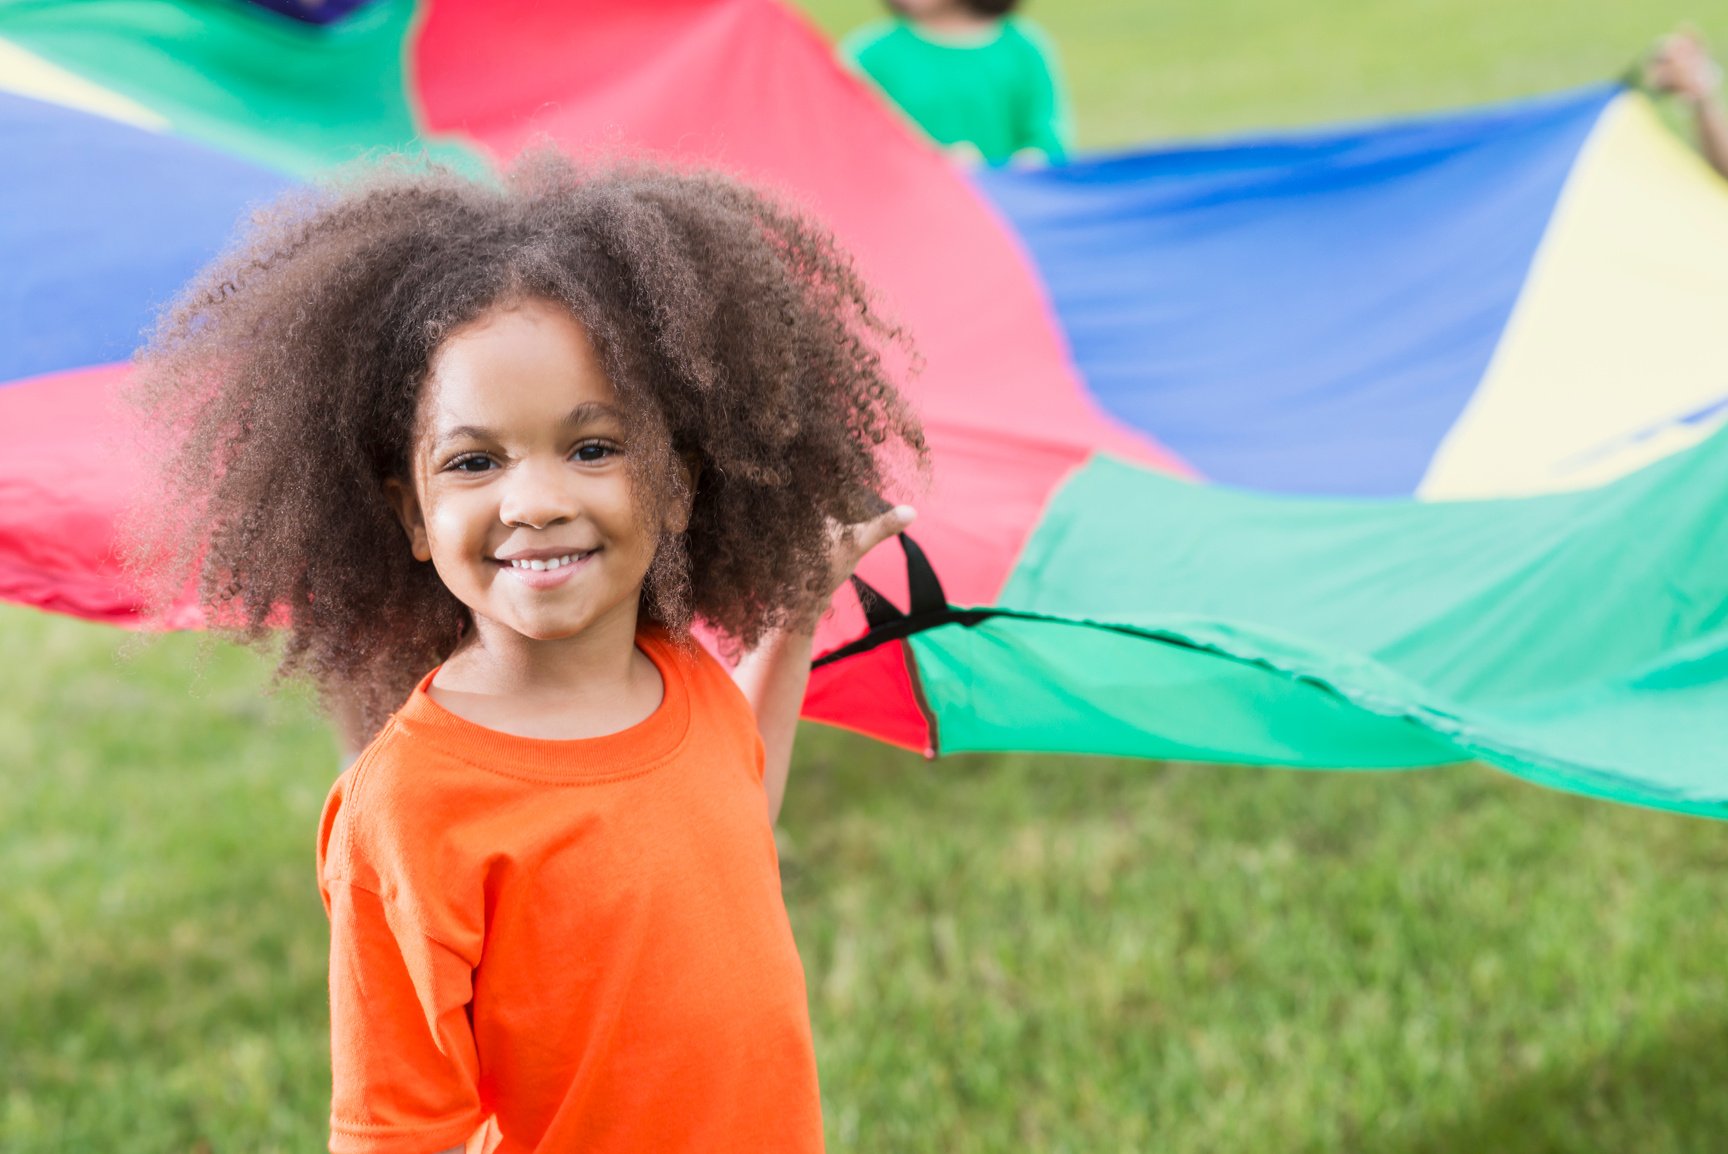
(689, 467)
(406, 503)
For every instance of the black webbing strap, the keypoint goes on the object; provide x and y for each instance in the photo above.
(927, 609)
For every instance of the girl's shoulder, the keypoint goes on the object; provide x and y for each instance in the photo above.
(860, 40)
(393, 827)
(1027, 35)
(392, 805)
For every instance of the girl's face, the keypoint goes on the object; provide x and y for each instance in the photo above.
(520, 494)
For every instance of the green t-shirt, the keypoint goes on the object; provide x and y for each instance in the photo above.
(999, 93)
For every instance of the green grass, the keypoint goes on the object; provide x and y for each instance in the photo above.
(1004, 953)
(1146, 69)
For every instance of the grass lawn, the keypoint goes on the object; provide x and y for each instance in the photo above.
(1004, 952)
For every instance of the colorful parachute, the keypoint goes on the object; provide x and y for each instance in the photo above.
(1438, 374)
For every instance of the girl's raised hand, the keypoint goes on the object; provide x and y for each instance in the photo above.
(847, 544)
(1681, 64)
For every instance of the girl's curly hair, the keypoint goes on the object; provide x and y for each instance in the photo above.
(287, 378)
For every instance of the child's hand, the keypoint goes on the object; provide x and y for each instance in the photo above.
(773, 676)
(848, 543)
(1682, 65)
(965, 153)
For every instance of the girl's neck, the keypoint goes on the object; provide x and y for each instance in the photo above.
(956, 22)
(587, 685)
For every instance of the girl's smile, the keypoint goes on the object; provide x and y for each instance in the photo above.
(545, 568)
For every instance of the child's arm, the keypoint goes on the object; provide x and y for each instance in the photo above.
(348, 725)
(1049, 128)
(774, 674)
(1682, 65)
(1712, 117)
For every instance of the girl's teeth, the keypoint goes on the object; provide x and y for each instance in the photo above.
(554, 563)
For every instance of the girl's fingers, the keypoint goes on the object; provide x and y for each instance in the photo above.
(851, 542)
(878, 529)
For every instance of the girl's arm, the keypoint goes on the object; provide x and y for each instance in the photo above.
(1049, 127)
(348, 725)
(773, 676)
(1712, 118)
(1681, 65)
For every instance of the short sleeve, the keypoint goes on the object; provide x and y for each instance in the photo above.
(403, 1062)
(1049, 125)
(855, 44)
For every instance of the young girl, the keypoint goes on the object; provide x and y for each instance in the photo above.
(480, 455)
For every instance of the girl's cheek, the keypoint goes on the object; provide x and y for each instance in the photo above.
(451, 529)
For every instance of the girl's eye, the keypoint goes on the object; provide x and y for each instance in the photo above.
(591, 451)
(472, 463)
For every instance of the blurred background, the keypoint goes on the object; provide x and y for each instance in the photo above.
(1004, 952)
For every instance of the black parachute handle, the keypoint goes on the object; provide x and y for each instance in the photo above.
(928, 607)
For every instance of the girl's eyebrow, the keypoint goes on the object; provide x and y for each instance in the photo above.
(463, 433)
(588, 412)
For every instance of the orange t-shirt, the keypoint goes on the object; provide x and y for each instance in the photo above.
(581, 944)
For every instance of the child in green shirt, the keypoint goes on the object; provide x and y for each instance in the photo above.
(971, 74)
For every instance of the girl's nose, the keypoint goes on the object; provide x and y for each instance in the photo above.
(537, 495)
